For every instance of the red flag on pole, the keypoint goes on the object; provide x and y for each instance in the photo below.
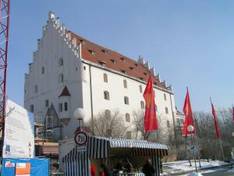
(188, 113)
(150, 119)
(217, 130)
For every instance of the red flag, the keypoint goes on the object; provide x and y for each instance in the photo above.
(188, 113)
(150, 119)
(217, 130)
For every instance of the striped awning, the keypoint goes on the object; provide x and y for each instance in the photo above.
(102, 147)
(129, 143)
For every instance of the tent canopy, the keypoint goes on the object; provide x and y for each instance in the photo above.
(102, 147)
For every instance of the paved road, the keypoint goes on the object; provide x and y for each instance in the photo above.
(224, 172)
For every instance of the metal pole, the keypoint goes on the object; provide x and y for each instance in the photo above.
(192, 142)
(221, 147)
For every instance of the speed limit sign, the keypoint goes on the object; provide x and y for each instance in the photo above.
(81, 138)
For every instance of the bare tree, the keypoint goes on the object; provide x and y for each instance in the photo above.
(163, 134)
(138, 122)
(109, 124)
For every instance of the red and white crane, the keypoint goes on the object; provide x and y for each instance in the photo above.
(4, 39)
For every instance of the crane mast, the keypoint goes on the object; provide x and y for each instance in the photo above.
(4, 36)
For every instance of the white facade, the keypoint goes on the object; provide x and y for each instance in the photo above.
(58, 62)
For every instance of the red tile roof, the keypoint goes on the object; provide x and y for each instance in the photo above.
(115, 61)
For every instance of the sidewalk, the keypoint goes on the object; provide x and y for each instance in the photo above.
(183, 167)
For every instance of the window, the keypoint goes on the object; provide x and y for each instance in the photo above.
(65, 106)
(166, 110)
(107, 114)
(83, 67)
(165, 97)
(31, 108)
(61, 78)
(142, 105)
(60, 61)
(42, 70)
(46, 103)
(93, 53)
(105, 77)
(126, 100)
(102, 63)
(36, 88)
(168, 124)
(125, 83)
(60, 107)
(113, 61)
(106, 95)
(128, 134)
(140, 88)
(127, 117)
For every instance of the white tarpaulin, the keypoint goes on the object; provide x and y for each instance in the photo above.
(19, 132)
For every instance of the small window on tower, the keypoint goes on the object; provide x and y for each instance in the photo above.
(61, 78)
(60, 107)
(65, 106)
(31, 108)
(47, 103)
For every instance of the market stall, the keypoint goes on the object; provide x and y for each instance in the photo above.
(96, 150)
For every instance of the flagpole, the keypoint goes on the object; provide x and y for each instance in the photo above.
(221, 147)
(219, 138)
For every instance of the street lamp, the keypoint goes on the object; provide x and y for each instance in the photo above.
(79, 114)
(190, 129)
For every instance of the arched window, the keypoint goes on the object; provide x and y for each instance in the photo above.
(125, 83)
(106, 95)
(42, 70)
(36, 88)
(142, 105)
(168, 124)
(60, 61)
(126, 100)
(105, 77)
(65, 106)
(32, 108)
(166, 110)
(140, 88)
(127, 117)
(61, 78)
(165, 97)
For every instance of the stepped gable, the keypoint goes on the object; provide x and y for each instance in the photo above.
(115, 61)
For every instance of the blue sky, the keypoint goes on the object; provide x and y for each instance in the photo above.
(190, 43)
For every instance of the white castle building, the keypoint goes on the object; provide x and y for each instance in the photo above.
(68, 72)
